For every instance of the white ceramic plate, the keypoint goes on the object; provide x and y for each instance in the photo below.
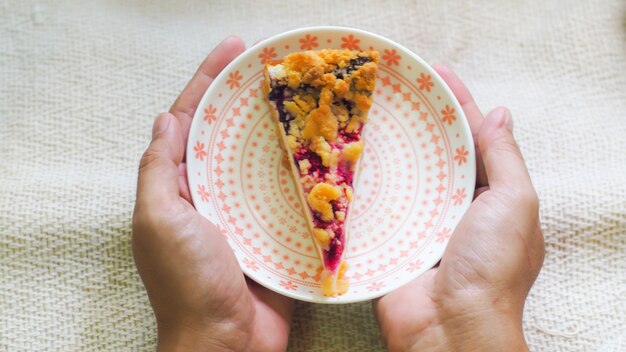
(416, 182)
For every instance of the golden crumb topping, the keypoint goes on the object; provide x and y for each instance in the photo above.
(323, 236)
(321, 122)
(319, 69)
(321, 100)
(352, 152)
(335, 285)
(320, 197)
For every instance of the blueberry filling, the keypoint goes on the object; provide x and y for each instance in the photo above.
(305, 87)
(358, 62)
(276, 91)
(348, 104)
(353, 65)
(278, 94)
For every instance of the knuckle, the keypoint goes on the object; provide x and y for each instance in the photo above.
(519, 197)
(504, 144)
(151, 158)
(149, 219)
(542, 245)
(140, 226)
(508, 197)
(143, 219)
(529, 198)
(185, 110)
(539, 234)
(164, 114)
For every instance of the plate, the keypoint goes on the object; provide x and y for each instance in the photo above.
(416, 182)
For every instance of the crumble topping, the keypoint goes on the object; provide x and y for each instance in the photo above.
(321, 99)
(339, 284)
(319, 199)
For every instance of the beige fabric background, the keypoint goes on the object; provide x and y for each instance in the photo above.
(80, 82)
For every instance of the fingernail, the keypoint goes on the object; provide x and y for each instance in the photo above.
(508, 120)
(160, 124)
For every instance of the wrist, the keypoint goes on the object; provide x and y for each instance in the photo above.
(482, 322)
(460, 324)
(190, 337)
(484, 332)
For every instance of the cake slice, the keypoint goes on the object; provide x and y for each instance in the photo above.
(320, 101)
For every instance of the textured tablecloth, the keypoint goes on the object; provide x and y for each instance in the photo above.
(81, 81)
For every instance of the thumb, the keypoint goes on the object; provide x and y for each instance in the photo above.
(158, 168)
(500, 153)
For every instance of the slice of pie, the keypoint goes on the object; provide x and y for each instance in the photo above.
(320, 101)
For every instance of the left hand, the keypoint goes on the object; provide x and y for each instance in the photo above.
(200, 297)
(473, 301)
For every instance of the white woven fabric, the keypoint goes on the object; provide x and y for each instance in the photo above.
(80, 83)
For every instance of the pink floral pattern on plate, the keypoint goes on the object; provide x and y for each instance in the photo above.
(417, 173)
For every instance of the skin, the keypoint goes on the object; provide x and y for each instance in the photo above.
(202, 301)
(473, 301)
(200, 297)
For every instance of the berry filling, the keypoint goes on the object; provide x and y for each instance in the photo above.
(332, 257)
(278, 95)
(354, 65)
(358, 62)
(344, 174)
(321, 118)
(351, 137)
(317, 170)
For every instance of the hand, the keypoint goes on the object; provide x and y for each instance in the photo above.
(473, 301)
(200, 297)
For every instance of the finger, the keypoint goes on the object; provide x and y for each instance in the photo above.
(474, 117)
(503, 161)
(271, 309)
(187, 102)
(280, 305)
(183, 185)
(480, 190)
(158, 169)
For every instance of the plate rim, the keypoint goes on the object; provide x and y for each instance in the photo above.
(471, 179)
